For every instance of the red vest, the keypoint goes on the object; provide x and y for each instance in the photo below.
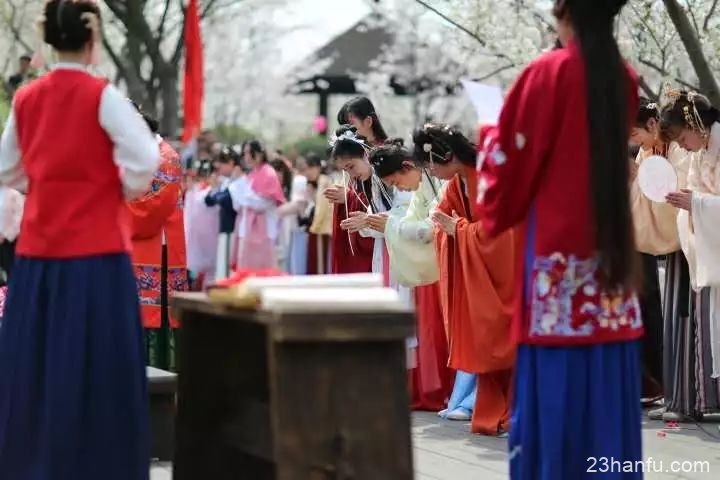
(74, 205)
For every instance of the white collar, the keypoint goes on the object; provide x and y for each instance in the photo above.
(714, 141)
(70, 66)
(158, 138)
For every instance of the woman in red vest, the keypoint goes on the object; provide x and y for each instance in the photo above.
(73, 390)
(159, 252)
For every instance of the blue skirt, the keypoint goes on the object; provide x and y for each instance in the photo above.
(577, 410)
(73, 389)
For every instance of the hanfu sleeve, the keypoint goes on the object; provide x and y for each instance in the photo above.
(12, 174)
(137, 152)
(151, 211)
(243, 195)
(409, 241)
(512, 154)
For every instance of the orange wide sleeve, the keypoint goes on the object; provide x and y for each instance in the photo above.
(487, 278)
(151, 211)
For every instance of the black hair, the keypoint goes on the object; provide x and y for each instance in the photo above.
(445, 142)
(256, 147)
(607, 84)
(228, 155)
(26, 58)
(64, 28)
(647, 111)
(680, 114)
(281, 167)
(347, 148)
(313, 160)
(152, 123)
(362, 107)
(633, 151)
(390, 158)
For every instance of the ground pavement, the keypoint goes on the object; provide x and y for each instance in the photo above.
(446, 451)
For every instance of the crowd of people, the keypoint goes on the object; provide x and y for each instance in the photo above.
(528, 251)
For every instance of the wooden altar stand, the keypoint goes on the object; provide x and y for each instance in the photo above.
(291, 396)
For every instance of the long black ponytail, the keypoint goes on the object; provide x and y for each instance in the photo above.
(607, 95)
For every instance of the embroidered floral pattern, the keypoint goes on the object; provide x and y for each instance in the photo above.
(148, 283)
(566, 300)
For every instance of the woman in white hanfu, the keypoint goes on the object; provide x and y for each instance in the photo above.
(693, 122)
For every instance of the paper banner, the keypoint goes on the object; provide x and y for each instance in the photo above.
(487, 100)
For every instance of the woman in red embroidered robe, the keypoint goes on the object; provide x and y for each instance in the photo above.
(158, 236)
(476, 279)
(558, 161)
(351, 252)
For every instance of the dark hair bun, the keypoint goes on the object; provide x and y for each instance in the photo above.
(65, 29)
(395, 142)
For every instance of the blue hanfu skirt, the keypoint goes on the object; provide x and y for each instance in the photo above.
(73, 389)
(577, 413)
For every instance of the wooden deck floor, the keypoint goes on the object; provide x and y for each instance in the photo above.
(446, 451)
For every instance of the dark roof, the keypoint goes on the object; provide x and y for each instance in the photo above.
(345, 56)
(334, 67)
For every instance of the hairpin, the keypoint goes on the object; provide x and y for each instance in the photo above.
(693, 118)
(348, 135)
(670, 95)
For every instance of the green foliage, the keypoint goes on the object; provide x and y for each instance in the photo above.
(233, 134)
(315, 143)
(4, 107)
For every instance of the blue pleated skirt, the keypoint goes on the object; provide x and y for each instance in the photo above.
(574, 407)
(73, 392)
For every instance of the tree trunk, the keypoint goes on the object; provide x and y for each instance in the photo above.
(169, 92)
(688, 35)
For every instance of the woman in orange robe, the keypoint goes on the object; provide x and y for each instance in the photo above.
(477, 279)
(158, 237)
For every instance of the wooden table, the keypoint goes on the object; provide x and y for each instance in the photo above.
(291, 396)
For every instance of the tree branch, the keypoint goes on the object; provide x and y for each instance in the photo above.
(648, 90)
(493, 73)
(122, 70)
(709, 15)
(708, 83)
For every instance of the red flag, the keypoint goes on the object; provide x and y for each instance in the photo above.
(193, 79)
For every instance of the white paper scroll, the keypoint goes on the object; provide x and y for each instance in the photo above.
(487, 100)
(657, 178)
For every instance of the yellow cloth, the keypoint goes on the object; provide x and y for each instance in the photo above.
(409, 238)
(656, 230)
(322, 220)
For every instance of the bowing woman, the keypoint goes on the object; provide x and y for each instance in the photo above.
(656, 234)
(409, 241)
(350, 154)
(694, 123)
(73, 389)
(557, 161)
(477, 279)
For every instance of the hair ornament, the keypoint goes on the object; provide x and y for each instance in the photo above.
(652, 106)
(427, 148)
(350, 136)
(670, 95)
(693, 118)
